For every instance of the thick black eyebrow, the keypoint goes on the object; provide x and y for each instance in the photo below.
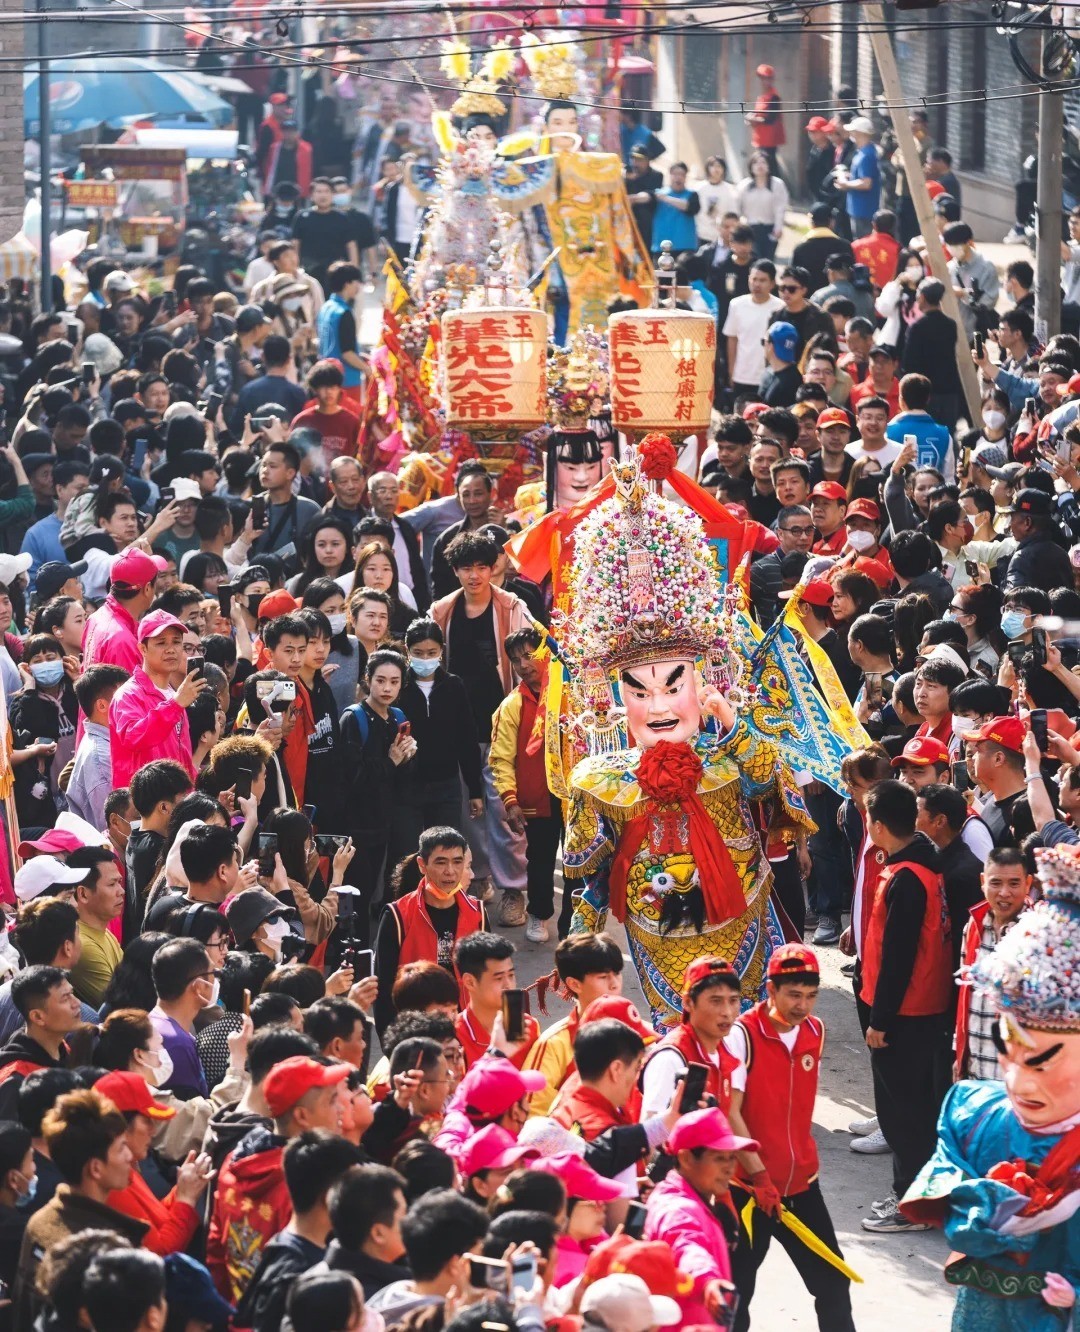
(675, 674)
(1037, 1060)
(632, 682)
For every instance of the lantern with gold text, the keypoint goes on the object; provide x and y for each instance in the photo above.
(494, 360)
(662, 366)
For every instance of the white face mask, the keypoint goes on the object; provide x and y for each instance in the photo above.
(273, 933)
(293, 303)
(342, 200)
(160, 1072)
(215, 991)
(861, 540)
(337, 622)
(994, 420)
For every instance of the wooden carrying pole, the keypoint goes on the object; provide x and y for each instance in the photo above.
(920, 197)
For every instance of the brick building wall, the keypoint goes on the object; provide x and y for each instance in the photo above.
(11, 123)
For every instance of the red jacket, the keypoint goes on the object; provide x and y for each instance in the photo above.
(250, 1206)
(145, 725)
(416, 937)
(880, 253)
(109, 637)
(969, 949)
(588, 1111)
(172, 1222)
(768, 131)
(778, 1104)
(718, 1083)
(930, 988)
(476, 1039)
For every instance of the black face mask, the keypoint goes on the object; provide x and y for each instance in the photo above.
(254, 601)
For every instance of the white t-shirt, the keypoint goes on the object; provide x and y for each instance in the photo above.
(747, 321)
(658, 1083)
(735, 1043)
(716, 200)
(886, 456)
(95, 581)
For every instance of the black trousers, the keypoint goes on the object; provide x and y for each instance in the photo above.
(909, 1085)
(789, 890)
(365, 874)
(831, 1290)
(428, 805)
(542, 837)
(830, 883)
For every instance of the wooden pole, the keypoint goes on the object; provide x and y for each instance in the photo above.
(1048, 205)
(920, 197)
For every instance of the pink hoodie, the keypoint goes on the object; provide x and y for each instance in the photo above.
(679, 1217)
(145, 725)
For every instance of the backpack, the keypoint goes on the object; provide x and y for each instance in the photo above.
(364, 726)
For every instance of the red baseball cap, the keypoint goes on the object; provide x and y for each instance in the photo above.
(134, 568)
(829, 417)
(709, 1129)
(831, 126)
(753, 410)
(818, 124)
(1008, 732)
(654, 1262)
(130, 1092)
(156, 623)
(279, 99)
(277, 603)
(704, 967)
(738, 511)
(492, 1086)
(581, 1180)
(934, 188)
(863, 508)
(622, 1010)
(491, 1149)
(790, 958)
(922, 751)
(873, 569)
(766, 72)
(817, 592)
(830, 490)
(292, 1079)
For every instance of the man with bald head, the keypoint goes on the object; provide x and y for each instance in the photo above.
(383, 490)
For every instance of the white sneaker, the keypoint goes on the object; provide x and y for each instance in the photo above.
(1014, 236)
(873, 1144)
(861, 1127)
(536, 931)
(887, 1204)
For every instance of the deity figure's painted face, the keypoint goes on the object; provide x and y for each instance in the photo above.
(661, 702)
(1043, 1080)
(578, 467)
(484, 136)
(562, 126)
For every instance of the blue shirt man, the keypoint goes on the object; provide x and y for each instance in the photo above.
(676, 208)
(335, 323)
(862, 186)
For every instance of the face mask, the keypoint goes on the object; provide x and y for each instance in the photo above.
(275, 931)
(1013, 623)
(861, 540)
(424, 667)
(162, 1071)
(254, 601)
(47, 673)
(293, 303)
(916, 274)
(282, 210)
(342, 200)
(994, 420)
(337, 623)
(25, 1199)
(215, 992)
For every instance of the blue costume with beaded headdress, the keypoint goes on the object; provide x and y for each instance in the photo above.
(1003, 1185)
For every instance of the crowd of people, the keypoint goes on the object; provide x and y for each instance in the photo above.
(271, 789)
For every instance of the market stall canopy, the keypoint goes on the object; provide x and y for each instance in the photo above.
(86, 91)
(18, 259)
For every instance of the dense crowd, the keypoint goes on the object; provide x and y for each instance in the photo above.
(270, 764)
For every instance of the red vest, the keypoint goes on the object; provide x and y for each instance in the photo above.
(587, 1110)
(417, 940)
(476, 1039)
(19, 1068)
(968, 951)
(718, 1083)
(930, 988)
(770, 135)
(778, 1104)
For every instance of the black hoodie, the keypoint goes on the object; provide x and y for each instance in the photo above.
(21, 1056)
(905, 908)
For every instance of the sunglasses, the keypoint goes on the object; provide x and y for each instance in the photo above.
(784, 286)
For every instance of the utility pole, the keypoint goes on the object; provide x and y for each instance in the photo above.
(1048, 202)
(44, 137)
(920, 197)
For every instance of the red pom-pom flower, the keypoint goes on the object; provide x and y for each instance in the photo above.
(669, 773)
(658, 457)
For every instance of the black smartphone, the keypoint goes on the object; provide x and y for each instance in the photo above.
(1017, 653)
(696, 1078)
(224, 596)
(328, 844)
(513, 1014)
(196, 664)
(634, 1225)
(1038, 648)
(309, 813)
(971, 568)
(89, 372)
(258, 511)
(213, 404)
(168, 494)
(268, 846)
(1037, 723)
(168, 302)
(243, 783)
(980, 345)
(873, 688)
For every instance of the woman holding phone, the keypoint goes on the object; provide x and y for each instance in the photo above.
(376, 742)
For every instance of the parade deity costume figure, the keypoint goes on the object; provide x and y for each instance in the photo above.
(1004, 1182)
(665, 833)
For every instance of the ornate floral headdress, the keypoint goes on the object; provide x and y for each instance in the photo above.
(645, 585)
(551, 64)
(578, 378)
(479, 90)
(1034, 972)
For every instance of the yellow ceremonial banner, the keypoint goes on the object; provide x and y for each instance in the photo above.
(802, 1232)
(841, 712)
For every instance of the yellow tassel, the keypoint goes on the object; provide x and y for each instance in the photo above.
(456, 61)
(443, 130)
(499, 62)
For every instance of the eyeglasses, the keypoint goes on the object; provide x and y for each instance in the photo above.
(799, 531)
(222, 944)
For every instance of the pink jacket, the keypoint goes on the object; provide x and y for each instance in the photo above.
(679, 1217)
(109, 637)
(144, 725)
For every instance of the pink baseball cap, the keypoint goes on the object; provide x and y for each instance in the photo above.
(134, 568)
(709, 1129)
(51, 843)
(156, 623)
(581, 1180)
(492, 1086)
(491, 1149)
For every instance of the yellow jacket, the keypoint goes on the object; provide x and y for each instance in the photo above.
(552, 1054)
(504, 738)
